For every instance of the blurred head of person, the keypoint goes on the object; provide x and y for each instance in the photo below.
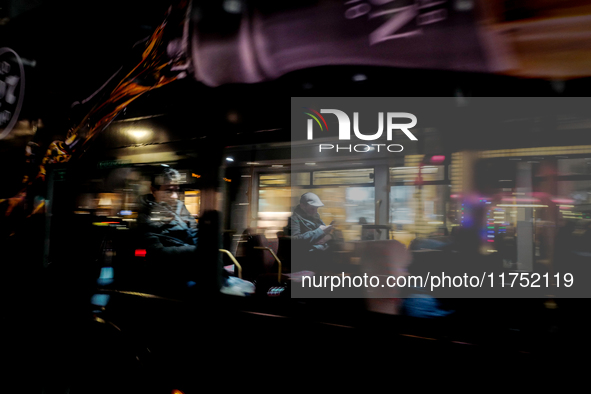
(309, 203)
(165, 185)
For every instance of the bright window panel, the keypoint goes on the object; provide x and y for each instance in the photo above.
(279, 179)
(344, 177)
(410, 174)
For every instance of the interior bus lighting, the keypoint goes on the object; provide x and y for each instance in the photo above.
(139, 133)
(510, 199)
(563, 201)
(524, 205)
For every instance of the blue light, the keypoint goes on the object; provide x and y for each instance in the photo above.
(100, 299)
(106, 276)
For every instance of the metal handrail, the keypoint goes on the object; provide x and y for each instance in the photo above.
(233, 261)
(276, 259)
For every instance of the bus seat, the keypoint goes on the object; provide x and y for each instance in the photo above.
(383, 259)
(254, 262)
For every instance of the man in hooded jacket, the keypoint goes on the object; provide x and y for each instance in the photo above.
(305, 226)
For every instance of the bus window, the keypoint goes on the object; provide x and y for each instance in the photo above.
(344, 177)
(418, 210)
(107, 211)
(273, 209)
(192, 199)
(419, 200)
(279, 193)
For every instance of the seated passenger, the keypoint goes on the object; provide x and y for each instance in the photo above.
(305, 226)
(310, 237)
(168, 228)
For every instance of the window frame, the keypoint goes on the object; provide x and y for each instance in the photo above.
(446, 181)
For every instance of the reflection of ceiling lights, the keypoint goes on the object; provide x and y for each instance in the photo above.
(267, 215)
(415, 170)
(523, 205)
(139, 134)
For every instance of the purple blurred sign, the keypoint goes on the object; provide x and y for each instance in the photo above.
(430, 34)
